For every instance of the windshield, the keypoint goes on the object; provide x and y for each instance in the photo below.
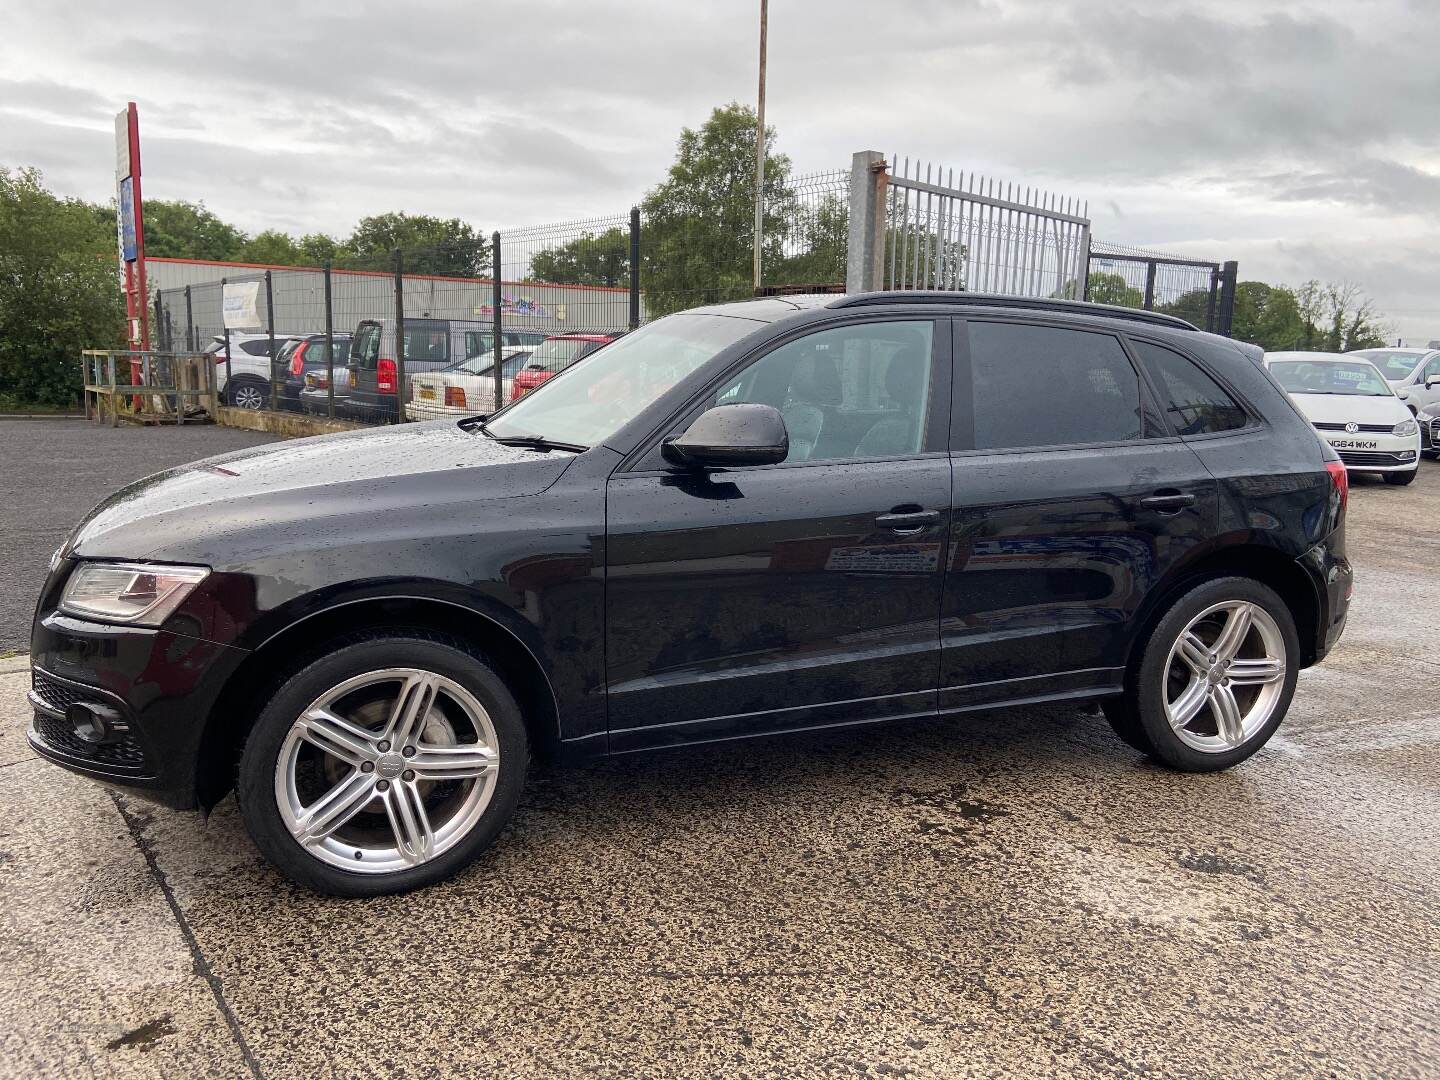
(595, 398)
(1392, 364)
(1357, 379)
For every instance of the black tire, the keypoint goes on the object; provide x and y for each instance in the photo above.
(366, 652)
(247, 394)
(1399, 479)
(1139, 716)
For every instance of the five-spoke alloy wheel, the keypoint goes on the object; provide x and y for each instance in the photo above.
(404, 758)
(1215, 677)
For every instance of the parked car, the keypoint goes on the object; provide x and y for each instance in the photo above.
(466, 388)
(742, 520)
(1354, 409)
(250, 367)
(430, 344)
(526, 339)
(1428, 419)
(554, 355)
(315, 396)
(1414, 374)
(307, 355)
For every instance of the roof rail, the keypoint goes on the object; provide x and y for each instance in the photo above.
(1029, 303)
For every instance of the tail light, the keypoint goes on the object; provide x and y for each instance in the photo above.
(455, 395)
(1341, 481)
(297, 361)
(385, 376)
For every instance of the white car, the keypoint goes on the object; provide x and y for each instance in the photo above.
(1414, 374)
(250, 365)
(1354, 410)
(465, 388)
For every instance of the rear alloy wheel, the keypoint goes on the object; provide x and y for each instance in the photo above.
(404, 759)
(1400, 478)
(1215, 680)
(247, 395)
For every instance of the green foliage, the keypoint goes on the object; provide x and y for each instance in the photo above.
(1335, 317)
(589, 259)
(698, 238)
(1113, 289)
(59, 290)
(273, 248)
(431, 245)
(185, 230)
(823, 231)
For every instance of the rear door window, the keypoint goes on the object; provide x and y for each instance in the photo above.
(427, 341)
(1036, 386)
(1194, 402)
(260, 347)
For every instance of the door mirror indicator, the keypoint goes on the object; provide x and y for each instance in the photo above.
(730, 435)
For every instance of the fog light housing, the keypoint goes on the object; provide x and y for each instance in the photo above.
(95, 724)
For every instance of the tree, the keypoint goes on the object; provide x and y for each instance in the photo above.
(1192, 306)
(587, 260)
(698, 240)
(1113, 289)
(1352, 319)
(824, 242)
(185, 230)
(273, 248)
(315, 248)
(1268, 316)
(431, 245)
(59, 290)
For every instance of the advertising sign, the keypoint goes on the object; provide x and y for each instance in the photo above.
(127, 219)
(240, 305)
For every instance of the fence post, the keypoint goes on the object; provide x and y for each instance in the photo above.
(497, 304)
(1210, 300)
(864, 265)
(329, 344)
(114, 395)
(634, 267)
(270, 329)
(399, 337)
(1226, 316)
(190, 322)
(160, 325)
(1084, 267)
(229, 386)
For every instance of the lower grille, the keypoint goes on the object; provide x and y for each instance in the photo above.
(59, 733)
(1372, 457)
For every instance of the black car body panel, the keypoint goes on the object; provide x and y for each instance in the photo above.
(666, 606)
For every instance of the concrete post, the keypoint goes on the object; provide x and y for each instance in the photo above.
(865, 263)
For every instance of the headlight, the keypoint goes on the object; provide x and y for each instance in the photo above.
(1405, 427)
(134, 593)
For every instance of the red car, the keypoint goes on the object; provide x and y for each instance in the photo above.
(554, 355)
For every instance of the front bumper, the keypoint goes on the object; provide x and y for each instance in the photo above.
(1429, 435)
(161, 685)
(1375, 452)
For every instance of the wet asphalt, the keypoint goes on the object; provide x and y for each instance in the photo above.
(53, 471)
(1014, 894)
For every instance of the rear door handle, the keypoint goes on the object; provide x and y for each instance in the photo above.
(907, 520)
(1168, 500)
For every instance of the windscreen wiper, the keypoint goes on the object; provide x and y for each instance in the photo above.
(538, 442)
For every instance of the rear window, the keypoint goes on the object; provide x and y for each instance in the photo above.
(556, 354)
(365, 347)
(1195, 403)
(260, 347)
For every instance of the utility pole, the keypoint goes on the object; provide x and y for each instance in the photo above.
(760, 148)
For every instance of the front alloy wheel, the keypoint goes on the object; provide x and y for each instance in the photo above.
(386, 764)
(387, 770)
(247, 396)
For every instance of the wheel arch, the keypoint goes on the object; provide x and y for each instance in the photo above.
(244, 694)
(1257, 562)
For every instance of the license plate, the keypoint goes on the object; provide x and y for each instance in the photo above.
(1353, 444)
(427, 393)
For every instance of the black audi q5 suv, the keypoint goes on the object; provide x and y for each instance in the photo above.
(739, 520)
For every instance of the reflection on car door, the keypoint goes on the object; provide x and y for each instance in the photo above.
(1071, 500)
(747, 600)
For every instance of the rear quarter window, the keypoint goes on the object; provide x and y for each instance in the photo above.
(1194, 403)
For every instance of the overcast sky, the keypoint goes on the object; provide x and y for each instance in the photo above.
(1302, 139)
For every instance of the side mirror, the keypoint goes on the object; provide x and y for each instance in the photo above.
(1432, 381)
(731, 435)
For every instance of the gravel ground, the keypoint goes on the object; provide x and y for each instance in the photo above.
(1014, 894)
(55, 471)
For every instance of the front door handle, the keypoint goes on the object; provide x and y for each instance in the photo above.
(1168, 500)
(905, 520)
